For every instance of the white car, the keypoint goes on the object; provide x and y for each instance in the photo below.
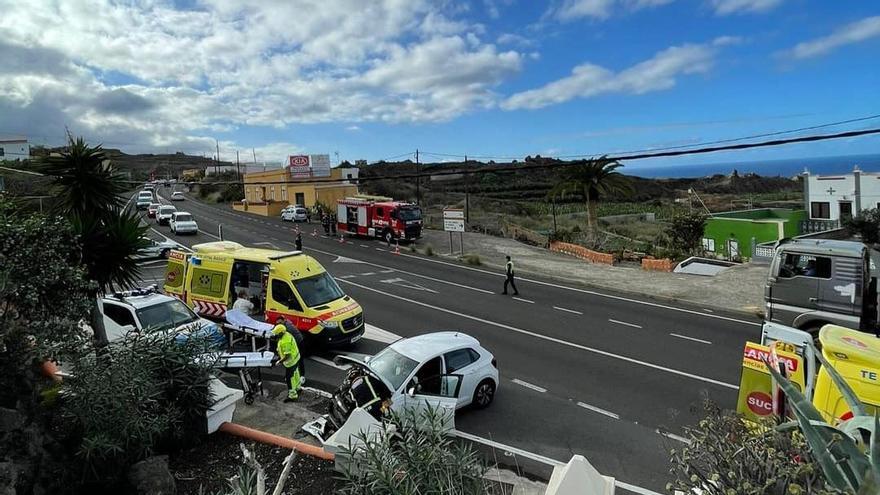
(164, 213)
(144, 199)
(155, 249)
(445, 370)
(183, 223)
(294, 214)
(145, 310)
(177, 196)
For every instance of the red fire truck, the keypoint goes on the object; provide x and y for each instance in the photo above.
(377, 216)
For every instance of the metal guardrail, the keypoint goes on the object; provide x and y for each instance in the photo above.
(814, 226)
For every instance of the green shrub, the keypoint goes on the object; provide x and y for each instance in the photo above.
(142, 395)
(472, 259)
(428, 250)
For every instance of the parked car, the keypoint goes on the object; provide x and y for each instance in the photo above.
(294, 214)
(183, 223)
(177, 196)
(155, 249)
(444, 370)
(152, 209)
(163, 215)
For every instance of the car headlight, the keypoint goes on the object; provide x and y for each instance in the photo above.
(328, 324)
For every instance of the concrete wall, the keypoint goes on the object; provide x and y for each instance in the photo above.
(764, 225)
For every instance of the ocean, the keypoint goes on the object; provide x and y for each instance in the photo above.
(824, 165)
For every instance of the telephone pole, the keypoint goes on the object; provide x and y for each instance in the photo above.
(217, 163)
(418, 180)
(467, 193)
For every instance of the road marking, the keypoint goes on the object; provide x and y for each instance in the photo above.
(373, 332)
(708, 310)
(151, 263)
(523, 300)
(691, 338)
(328, 362)
(386, 271)
(179, 245)
(585, 291)
(407, 284)
(367, 274)
(346, 276)
(529, 385)
(567, 310)
(214, 236)
(377, 249)
(551, 339)
(624, 323)
(673, 436)
(598, 410)
(364, 246)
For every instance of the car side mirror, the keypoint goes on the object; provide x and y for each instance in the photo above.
(367, 359)
(411, 391)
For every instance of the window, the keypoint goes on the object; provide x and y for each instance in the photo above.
(282, 293)
(845, 209)
(392, 366)
(283, 193)
(119, 314)
(300, 198)
(2, 151)
(708, 245)
(407, 214)
(805, 265)
(457, 360)
(318, 289)
(820, 209)
(171, 314)
(272, 193)
(427, 380)
(380, 212)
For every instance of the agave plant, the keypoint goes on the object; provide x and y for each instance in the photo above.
(847, 464)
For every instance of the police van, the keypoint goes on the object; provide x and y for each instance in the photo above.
(279, 284)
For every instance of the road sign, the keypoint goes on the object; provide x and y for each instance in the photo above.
(453, 224)
(453, 214)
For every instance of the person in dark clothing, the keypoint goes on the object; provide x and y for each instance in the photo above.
(297, 336)
(509, 279)
(298, 242)
(333, 223)
(325, 220)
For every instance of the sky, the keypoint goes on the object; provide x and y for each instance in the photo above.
(379, 79)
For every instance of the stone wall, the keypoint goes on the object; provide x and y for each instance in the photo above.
(582, 252)
(655, 265)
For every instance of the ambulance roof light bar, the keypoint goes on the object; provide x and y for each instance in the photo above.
(140, 291)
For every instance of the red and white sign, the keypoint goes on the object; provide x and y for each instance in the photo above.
(206, 308)
(855, 342)
(760, 403)
(760, 355)
(299, 166)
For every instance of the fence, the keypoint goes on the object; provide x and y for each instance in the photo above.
(816, 226)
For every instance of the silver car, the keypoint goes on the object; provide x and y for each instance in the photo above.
(155, 249)
(183, 223)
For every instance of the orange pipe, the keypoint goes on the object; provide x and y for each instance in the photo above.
(272, 439)
(50, 370)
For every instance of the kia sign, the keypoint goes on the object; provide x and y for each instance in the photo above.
(299, 166)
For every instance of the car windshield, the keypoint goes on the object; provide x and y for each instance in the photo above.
(167, 210)
(164, 316)
(410, 214)
(392, 366)
(154, 205)
(183, 218)
(177, 194)
(318, 289)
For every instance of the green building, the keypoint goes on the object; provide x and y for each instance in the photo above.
(731, 235)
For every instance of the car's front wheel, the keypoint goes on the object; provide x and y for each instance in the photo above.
(484, 394)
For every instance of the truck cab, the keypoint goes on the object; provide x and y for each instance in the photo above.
(818, 281)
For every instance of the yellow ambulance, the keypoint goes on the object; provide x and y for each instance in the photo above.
(277, 283)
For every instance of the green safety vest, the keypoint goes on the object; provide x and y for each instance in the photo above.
(288, 350)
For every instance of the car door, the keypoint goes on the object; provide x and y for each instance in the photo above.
(118, 321)
(430, 389)
(463, 362)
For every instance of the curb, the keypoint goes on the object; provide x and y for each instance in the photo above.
(277, 440)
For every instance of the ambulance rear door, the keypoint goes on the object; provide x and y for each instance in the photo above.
(175, 274)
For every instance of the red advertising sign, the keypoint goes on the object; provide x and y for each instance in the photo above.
(299, 166)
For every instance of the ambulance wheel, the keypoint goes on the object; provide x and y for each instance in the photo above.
(388, 236)
(484, 394)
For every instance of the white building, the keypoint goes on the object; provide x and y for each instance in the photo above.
(832, 197)
(14, 149)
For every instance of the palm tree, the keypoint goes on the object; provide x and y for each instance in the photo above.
(89, 192)
(592, 180)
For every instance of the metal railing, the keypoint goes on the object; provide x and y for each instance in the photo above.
(814, 226)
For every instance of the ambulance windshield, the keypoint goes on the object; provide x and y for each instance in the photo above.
(318, 289)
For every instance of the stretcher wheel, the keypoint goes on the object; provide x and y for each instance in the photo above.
(249, 398)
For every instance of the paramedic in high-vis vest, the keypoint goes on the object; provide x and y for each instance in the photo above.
(288, 354)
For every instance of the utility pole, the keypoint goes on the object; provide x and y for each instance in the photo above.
(467, 194)
(217, 163)
(418, 181)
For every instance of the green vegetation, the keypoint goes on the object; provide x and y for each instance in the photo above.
(472, 259)
(686, 232)
(866, 226)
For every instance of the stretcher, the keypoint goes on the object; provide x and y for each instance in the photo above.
(240, 327)
(243, 364)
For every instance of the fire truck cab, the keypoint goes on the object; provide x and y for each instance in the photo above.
(375, 216)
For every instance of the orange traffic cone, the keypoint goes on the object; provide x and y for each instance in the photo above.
(341, 238)
(396, 248)
(315, 233)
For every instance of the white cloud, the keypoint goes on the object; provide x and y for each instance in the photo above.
(514, 39)
(851, 33)
(571, 10)
(725, 7)
(588, 80)
(147, 72)
(353, 128)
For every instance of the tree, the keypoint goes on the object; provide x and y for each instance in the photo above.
(592, 180)
(686, 232)
(89, 193)
(866, 226)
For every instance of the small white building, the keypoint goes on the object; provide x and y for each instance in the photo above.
(833, 197)
(14, 149)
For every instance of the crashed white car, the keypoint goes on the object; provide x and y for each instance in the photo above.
(442, 370)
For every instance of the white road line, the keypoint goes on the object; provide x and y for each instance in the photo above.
(567, 310)
(551, 339)
(386, 271)
(377, 249)
(524, 300)
(214, 236)
(529, 385)
(708, 310)
(673, 436)
(327, 362)
(364, 246)
(373, 332)
(179, 245)
(598, 410)
(624, 323)
(367, 274)
(346, 276)
(691, 338)
(585, 291)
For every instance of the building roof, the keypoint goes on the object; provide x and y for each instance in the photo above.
(851, 249)
(13, 141)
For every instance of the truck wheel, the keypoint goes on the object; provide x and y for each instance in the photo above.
(484, 394)
(388, 236)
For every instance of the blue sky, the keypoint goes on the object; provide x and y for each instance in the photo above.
(502, 78)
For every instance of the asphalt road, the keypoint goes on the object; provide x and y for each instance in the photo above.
(609, 376)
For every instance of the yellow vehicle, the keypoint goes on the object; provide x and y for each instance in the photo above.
(853, 354)
(289, 284)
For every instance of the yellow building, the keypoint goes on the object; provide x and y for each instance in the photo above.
(267, 193)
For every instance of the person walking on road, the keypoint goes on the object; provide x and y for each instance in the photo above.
(299, 241)
(333, 223)
(509, 279)
(298, 338)
(325, 220)
(288, 354)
